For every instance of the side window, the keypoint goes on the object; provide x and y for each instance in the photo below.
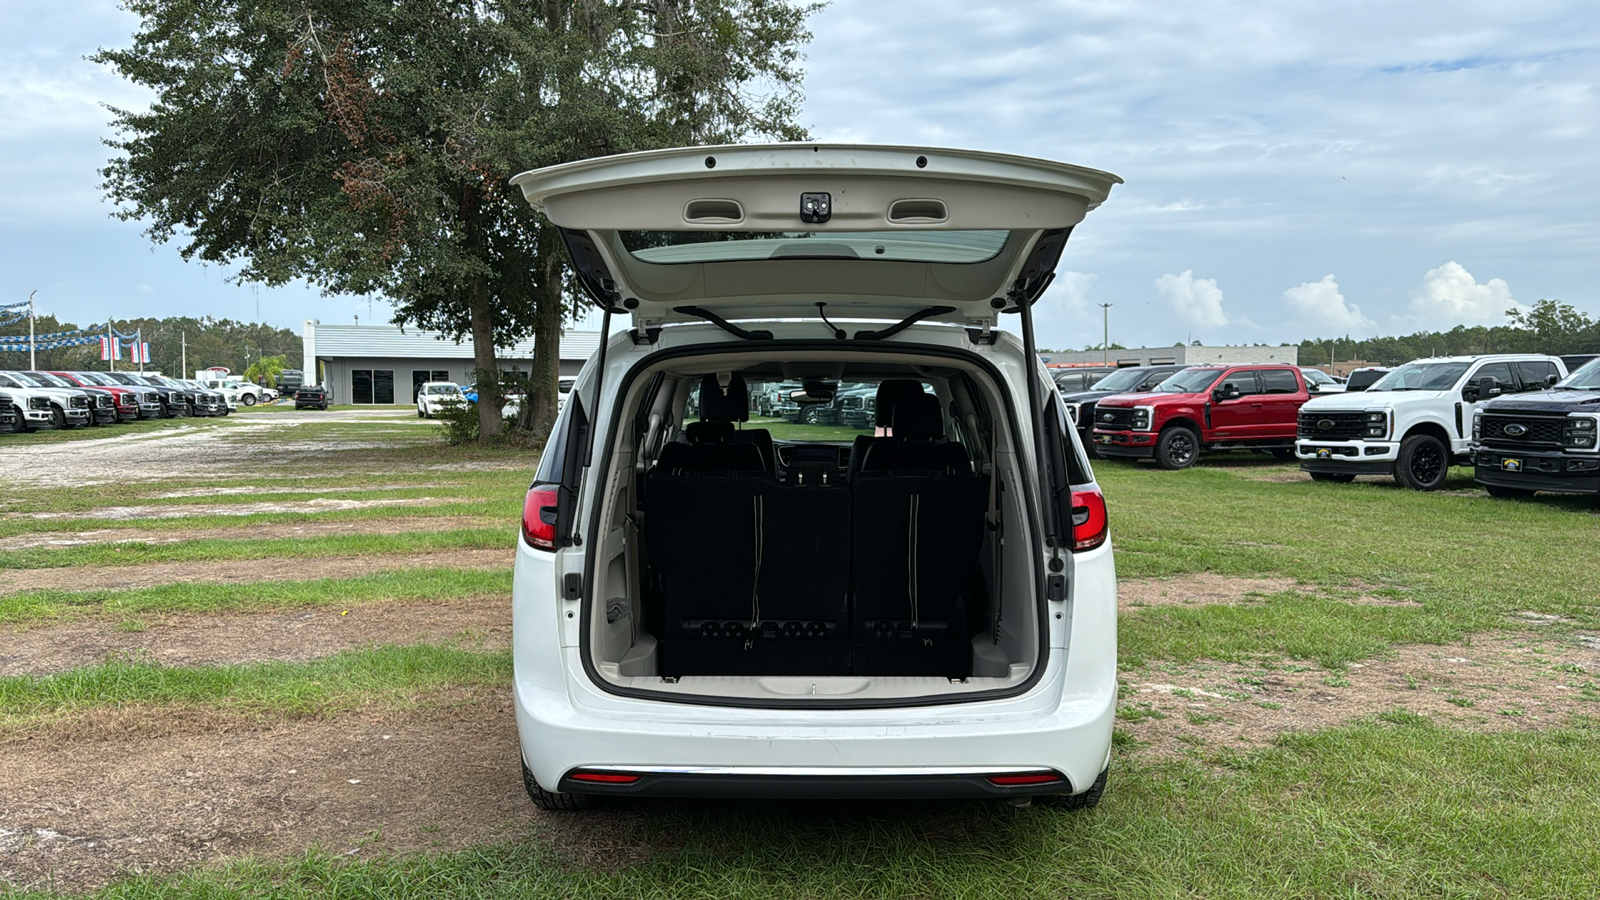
(1497, 370)
(1533, 373)
(553, 462)
(1278, 381)
(1245, 381)
(1153, 379)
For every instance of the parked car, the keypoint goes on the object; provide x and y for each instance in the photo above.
(1320, 382)
(1204, 408)
(146, 398)
(1415, 422)
(173, 401)
(434, 397)
(102, 403)
(248, 394)
(1364, 378)
(1079, 378)
(1129, 380)
(1543, 440)
(202, 400)
(65, 407)
(311, 396)
(10, 415)
(801, 637)
(125, 400)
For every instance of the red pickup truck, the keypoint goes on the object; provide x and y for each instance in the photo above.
(1204, 408)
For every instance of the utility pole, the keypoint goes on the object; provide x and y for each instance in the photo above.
(183, 336)
(1105, 335)
(138, 348)
(31, 366)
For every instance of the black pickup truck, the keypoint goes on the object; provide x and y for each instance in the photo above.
(1543, 441)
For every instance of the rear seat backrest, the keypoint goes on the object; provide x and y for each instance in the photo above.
(918, 441)
(890, 392)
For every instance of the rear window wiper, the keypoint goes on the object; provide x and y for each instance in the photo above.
(724, 324)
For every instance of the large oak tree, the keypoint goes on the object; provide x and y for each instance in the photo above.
(366, 145)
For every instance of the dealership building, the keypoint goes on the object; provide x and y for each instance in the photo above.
(1180, 354)
(386, 363)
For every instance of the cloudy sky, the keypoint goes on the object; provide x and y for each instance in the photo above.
(1293, 170)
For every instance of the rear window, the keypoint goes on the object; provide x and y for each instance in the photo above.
(676, 247)
(852, 412)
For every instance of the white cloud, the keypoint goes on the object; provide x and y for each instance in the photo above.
(1451, 296)
(1064, 315)
(1320, 305)
(1196, 301)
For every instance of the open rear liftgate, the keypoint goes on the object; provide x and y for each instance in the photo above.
(727, 539)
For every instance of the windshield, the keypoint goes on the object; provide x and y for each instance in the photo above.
(1122, 380)
(49, 380)
(1587, 378)
(727, 246)
(1189, 381)
(1439, 376)
(1317, 376)
(17, 379)
(96, 378)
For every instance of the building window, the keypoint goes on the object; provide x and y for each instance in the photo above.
(420, 377)
(371, 385)
(360, 385)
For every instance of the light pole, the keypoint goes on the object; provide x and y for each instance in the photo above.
(1105, 333)
(31, 349)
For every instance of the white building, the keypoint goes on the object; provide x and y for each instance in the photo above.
(386, 363)
(1182, 354)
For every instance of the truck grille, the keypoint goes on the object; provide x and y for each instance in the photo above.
(1333, 426)
(1114, 419)
(1521, 430)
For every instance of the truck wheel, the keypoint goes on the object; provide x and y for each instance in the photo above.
(810, 415)
(1335, 477)
(555, 801)
(248, 399)
(1177, 448)
(21, 424)
(1422, 464)
(60, 418)
(1508, 493)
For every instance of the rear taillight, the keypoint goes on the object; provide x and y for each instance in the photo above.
(1025, 779)
(539, 517)
(604, 777)
(1089, 522)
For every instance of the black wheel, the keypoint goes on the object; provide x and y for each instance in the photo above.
(810, 415)
(1335, 477)
(419, 412)
(1422, 464)
(248, 399)
(1283, 454)
(1087, 800)
(555, 801)
(1177, 448)
(60, 418)
(1508, 493)
(20, 424)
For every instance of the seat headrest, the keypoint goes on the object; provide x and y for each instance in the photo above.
(891, 392)
(918, 418)
(708, 432)
(717, 406)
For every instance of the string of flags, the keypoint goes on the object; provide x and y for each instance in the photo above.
(95, 330)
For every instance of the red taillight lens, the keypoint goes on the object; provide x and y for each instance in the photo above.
(1031, 778)
(1089, 522)
(539, 517)
(604, 777)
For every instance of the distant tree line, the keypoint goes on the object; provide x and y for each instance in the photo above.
(212, 342)
(1549, 327)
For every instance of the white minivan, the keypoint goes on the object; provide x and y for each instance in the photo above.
(711, 604)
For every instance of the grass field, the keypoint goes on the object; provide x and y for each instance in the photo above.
(1329, 691)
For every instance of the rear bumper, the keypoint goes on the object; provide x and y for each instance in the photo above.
(1560, 473)
(818, 783)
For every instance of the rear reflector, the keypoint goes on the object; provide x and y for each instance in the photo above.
(1033, 778)
(539, 517)
(604, 777)
(1089, 521)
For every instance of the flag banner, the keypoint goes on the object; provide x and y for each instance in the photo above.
(105, 348)
(47, 345)
(15, 305)
(130, 336)
(23, 339)
(144, 352)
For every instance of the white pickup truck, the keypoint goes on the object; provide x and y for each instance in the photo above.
(1415, 422)
(236, 390)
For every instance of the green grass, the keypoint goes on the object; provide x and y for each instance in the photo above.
(133, 553)
(324, 685)
(407, 584)
(507, 509)
(1469, 561)
(1391, 808)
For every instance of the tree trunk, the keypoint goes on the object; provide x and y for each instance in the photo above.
(542, 391)
(487, 372)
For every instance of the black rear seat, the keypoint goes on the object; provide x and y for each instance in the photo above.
(918, 528)
(890, 392)
(721, 407)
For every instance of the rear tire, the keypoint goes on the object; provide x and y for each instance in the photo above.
(555, 801)
(1423, 463)
(1335, 477)
(1508, 493)
(1177, 448)
(1087, 800)
(248, 399)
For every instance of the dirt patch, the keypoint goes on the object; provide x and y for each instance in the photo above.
(400, 524)
(270, 489)
(1198, 589)
(1494, 682)
(246, 571)
(190, 510)
(218, 639)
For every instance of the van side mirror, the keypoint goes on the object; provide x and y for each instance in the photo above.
(1229, 391)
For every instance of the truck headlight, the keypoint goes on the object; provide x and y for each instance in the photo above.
(1578, 432)
(1378, 424)
(1477, 425)
(1072, 413)
(1141, 418)
(38, 403)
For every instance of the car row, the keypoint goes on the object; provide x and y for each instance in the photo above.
(39, 400)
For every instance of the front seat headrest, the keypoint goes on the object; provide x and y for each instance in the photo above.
(890, 393)
(718, 404)
(918, 418)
